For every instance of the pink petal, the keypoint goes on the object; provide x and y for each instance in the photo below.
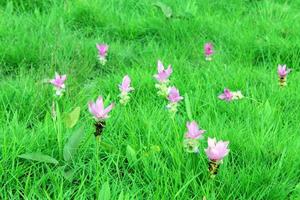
(99, 104)
(108, 109)
(160, 66)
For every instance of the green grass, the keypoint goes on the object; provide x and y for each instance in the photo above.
(251, 37)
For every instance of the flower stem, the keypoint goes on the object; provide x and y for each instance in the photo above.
(58, 128)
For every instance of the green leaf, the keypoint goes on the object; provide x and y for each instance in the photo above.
(72, 144)
(72, 118)
(131, 154)
(188, 106)
(36, 156)
(167, 11)
(105, 192)
(68, 174)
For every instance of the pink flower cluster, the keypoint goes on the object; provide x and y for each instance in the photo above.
(125, 88)
(283, 71)
(59, 83)
(102, 53)
(228, 95)
(192, 136)
(98, 110)
(208, 51)
(216, 150)
(162, 78)
(169, 92)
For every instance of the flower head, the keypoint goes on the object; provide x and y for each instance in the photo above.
(193, 131)
(102, 49)
(174, 95)
(163, 74)
(59, 83)
(97, 109)
(283, 71)
(216, 151)
(208, 49)
(125, 85)
(227, 95)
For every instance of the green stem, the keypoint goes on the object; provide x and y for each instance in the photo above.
(58, 128)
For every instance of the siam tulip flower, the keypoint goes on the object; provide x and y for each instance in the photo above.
(102, 52)
(125, 89)
(174, 95)
(227, 95)
(163, 74)
(98, 111)
(193, 131)
(100, 114)
(215, 152)
(174, 98)
(59, 83)
(191, 141)
(230, 95)
(282, 73)
(208, 51)
(163, 79)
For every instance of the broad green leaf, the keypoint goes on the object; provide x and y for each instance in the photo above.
(69, 174)
(72, 144)
(72, 118)
(188, 107)
(131, 154)
(167, 11)
(36, 156)
(105, 192)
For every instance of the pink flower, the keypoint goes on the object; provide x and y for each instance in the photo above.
(227, 95)
(59, 81)
(163, 74)
(193, 131)
(97, 109)
(208, 49)
(283, 71)
(125, 85)
(102, 49)
(216, 151)
(174, 95)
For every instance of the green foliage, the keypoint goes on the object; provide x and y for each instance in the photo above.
(166, 10)
(141, 153)
(131, 155)
(72, 118)
(40, 157)
(105, 192)
(188, 107)
(72, 144)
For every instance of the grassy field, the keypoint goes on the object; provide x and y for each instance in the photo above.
(141, 154)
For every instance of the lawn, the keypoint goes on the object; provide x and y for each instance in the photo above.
(48, 149)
